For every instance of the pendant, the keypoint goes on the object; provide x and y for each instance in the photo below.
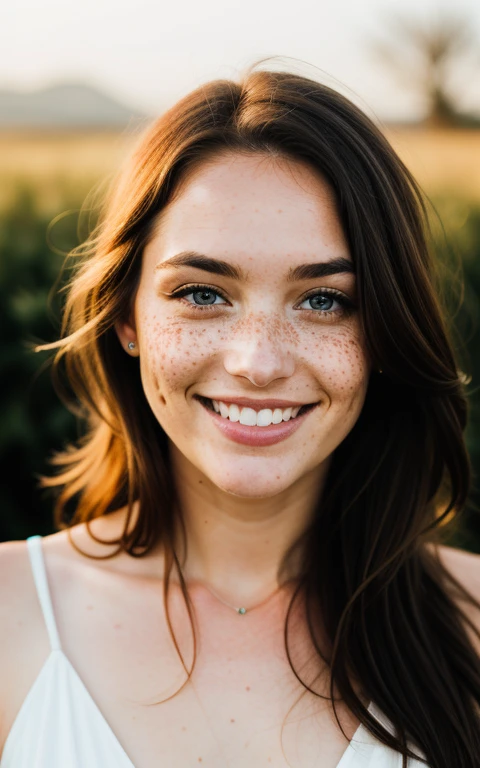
(241, 610)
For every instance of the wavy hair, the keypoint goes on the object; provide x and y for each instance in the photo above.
(384, 598)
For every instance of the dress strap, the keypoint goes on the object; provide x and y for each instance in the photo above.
(34, 544)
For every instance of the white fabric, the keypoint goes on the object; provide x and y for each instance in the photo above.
(60, 726)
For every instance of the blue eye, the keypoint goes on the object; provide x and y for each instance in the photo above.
(321, 301)
(202, 296)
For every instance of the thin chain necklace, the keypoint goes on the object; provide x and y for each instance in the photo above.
(241, 610)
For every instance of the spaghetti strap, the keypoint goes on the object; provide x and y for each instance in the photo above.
(34, 544)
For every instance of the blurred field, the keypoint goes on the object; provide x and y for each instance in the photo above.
(441, 160)
(64, 164)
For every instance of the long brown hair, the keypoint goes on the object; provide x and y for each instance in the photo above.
(400, 474)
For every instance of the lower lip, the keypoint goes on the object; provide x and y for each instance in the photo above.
(257, 436)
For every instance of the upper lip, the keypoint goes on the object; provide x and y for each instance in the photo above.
(257, 404)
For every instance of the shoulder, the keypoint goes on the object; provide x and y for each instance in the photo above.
(19, 604)
(24, 642)
(17, 591)
(464, 568)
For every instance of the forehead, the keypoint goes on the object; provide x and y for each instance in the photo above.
(251, 207)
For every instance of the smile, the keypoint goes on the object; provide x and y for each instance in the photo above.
(258, 427)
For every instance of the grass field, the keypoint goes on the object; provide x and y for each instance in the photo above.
(446, 161)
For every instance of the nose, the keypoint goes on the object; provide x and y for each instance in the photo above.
(259, 352)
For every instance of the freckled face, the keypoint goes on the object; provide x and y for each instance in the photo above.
(263, 336)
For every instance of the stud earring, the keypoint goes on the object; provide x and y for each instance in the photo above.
(380, 370)
(131, 345)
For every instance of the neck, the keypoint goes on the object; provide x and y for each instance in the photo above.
(237, 546)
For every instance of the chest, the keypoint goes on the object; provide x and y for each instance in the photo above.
(242, 702)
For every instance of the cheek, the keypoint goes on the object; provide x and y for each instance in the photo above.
(340, 359)
(172, 352)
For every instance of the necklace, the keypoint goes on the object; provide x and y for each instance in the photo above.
(242, 610)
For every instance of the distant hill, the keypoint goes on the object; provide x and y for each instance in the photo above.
(66, 106)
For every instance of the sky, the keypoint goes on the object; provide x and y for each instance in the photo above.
(149, 54)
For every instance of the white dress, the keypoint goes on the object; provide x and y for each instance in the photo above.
(60, 726)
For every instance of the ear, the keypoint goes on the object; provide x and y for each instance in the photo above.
(127, 335)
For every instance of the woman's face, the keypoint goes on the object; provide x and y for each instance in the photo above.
(246, 305)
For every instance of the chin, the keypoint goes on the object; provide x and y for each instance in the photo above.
(252, 485)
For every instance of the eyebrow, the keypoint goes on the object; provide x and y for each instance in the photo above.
(223, 268)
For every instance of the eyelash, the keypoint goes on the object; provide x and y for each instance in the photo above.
(347, 306)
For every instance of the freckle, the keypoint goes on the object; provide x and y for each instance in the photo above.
(232, 720)
(247, 687)
(117, 626)
(89, 607)
(199, 759)
(184, 727)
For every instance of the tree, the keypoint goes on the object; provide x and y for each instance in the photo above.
(431, 58)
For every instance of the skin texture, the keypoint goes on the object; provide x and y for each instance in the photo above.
(245, 505)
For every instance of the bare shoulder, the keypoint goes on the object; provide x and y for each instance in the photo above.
(464, 566)
(23, 638)
(17, 590)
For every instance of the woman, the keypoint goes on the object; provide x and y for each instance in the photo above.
(252, 575)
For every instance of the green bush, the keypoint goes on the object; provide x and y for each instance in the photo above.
(34, 423)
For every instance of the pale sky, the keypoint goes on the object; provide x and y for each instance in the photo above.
(149, 54)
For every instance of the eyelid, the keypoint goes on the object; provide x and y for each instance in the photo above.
(184, 290)
(199, 286)
(316, 291)
(346, 303)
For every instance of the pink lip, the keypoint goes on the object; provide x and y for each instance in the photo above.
(257, 436)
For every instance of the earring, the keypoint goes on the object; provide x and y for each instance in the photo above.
(380, 370)
(131, 345)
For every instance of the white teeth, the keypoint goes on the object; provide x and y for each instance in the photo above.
(251, 418)
(277, 416)
(248, 417)
(224, 410)
(264, 418)
(234, 413)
